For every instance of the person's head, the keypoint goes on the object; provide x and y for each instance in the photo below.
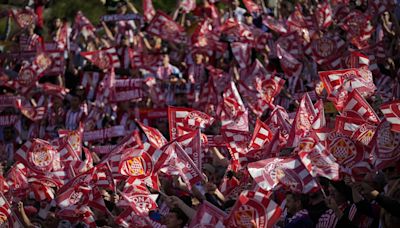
(122, 8)
(165, 59)
(294, 202)
(57, 101)
(235, 4)
(340, 192)
(8, 133)
(75, 102)
(248, 19)
(31, 29)
(176, 218)
(57, 23)
(198, 58)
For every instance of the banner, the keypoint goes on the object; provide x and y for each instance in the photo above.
(106, 133)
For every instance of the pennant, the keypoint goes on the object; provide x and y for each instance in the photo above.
(163, 26)
(106, 133)
(254, 209)
(154, 136)
(141, 204)
(290, 65)
(391, 111)
(326, 51)
(274, 24)
(357, 107)
(105, 59)
(191, 143)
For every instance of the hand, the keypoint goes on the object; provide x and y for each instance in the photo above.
(20, 207)
(211, 187)
(368, 191)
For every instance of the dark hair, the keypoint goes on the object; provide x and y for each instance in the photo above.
(343, 189)
(299, 197)
(180, 215)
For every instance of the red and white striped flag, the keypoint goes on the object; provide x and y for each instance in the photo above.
(391, 111)
(324, 15)
(187, 5)
(275, 25)
(17, 177)
(241, 51)
(289, 172)
(154, 136)
(279, 119)
(105, 59)
(385, 146)
(233, 110)
(254, 209)
(182, 120)
(163, 26)
(357, 107)
(141, 204)
(82, 25)
(30, 73)
(208, 215)
(38, 155)
(24, 17)
(290, 65)
(317, 159)
(148, 10)
(6, 217)
(237, 142)
(191, 143)
(129, 218)
(326, 51)
(252, 7)
(302, 123)
(262, 135)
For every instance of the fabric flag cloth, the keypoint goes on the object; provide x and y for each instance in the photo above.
(274, 24)
(262, 135)
(153, 135)
(252, 7)
(24, 17)
(6, 217)
(141, 204)
(30, 73)
(208, 215)
(105, 59)
(148, 10)
(317, 159)
(289, 172)
(302, 124)
(39, 156)
(182, 120)
(192, 143)
(357, 107)
(241, 51)
(254, 209)
(290, 65)
(237, 142)
(324, 15)
(188, 5)
(82, 25)
(385, 146)
(163, 26)
(391, 111)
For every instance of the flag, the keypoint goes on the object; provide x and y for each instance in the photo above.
(326, 51)
(191, 143)
(153, 135)
(105, 59)
(17, 177)
(129, 218)
(237, 142)
(30, 73)
(241, 51)
(289, 172)
(33, 113)
(6, 217)
(187, 5)
(279, 119)
(252, 7)
(317, 159)
(319, 121)
(254, 209)
(385, 146)
(163, 26)
(324, 15)
(38, 155)
(274, 24)
(290, 65)
(208, 215)
(233, 111)
(302, 123)
(357, 107)
(82, 25)
(262, 135)
(24, 17)
(141, 204)
(391, 111)
(148, 10)
(186, 119)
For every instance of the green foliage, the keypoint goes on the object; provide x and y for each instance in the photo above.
(92, 9)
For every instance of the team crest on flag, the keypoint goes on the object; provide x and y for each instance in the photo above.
(139, 167)
(24, 17)
(26, 76)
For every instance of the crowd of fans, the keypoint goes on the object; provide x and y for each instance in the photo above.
(170, 71)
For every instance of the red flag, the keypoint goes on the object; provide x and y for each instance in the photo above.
(317, 159)
(182, 120)
(141, 204)
(391, 111)
(326, 51)
(274, 24)
(241, 51)
(166, 28)
(191, 143)
(24, 17)
(233, 113)
(262, 135)
(82, 24)
(154, 136)
(302, 123)
(148, 10)
(30, 73)
(6, 217)
(128, 218)
(42, 187)
(289, 172)
(357, 107)
(105, 59)
(279, 119)
(38, 155)
(324, 15)
(17, 177)
(208, 215)
(187, 5)
(254, 209)
(290, 65)
(385, 148)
